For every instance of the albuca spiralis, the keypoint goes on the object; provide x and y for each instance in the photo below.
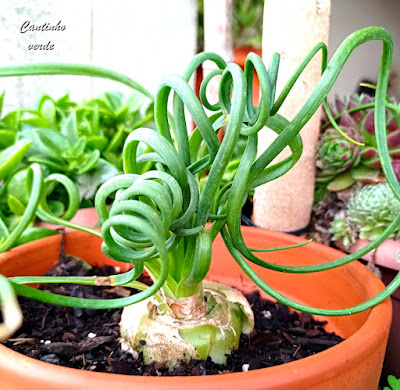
(158, 214)
(166, 333)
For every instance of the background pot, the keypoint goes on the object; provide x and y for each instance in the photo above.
(85, 217)
(386, 257)
(354, 364)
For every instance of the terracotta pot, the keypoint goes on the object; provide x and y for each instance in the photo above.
(353, 364)
(391, 365)
(240, 53)
(85, 217)
(385, 257)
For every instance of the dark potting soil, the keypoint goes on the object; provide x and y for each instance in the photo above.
(88, 339)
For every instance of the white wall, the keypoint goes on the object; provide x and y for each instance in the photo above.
(71, 45)
(348, 16)
(148, 39)
(143, 39)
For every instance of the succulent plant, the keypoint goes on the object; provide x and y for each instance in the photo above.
(348, 104)
(341, 229)
(336, 154)
(373, 208)
(369, 153)
(369, 212)
(355, 116)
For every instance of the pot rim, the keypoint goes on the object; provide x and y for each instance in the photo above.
(383, 255)
(353, 348)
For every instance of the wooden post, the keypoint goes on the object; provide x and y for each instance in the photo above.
(292, 28)
(71, 43)
(218, 28)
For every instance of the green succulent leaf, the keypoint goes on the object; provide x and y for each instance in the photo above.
(47, 142)
(341, 182)
(2, 101)
(11, 157)
(135, 101)
(394, 383)
(114, 101)
(362, 172)
(16, 207)
(7, 138)
(18, 185)
(69, 129)
(89, 182)
(57, 207)
(96, 142)
(89, 161)
(11, 121)
(56, 164)
(37, 121)
(48, 111)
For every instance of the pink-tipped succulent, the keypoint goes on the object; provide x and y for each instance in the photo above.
(348, 105)
(355, 163)
(336, 154)
(369, 153)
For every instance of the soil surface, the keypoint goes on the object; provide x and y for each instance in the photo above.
(88, 339)
(333, 206)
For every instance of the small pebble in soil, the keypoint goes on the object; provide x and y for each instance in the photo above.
(266, 314)
(51, 358)
(88, 339)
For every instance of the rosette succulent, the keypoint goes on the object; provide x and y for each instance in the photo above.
(372, 209)
(351, 104)
(355, 117)
(369, 153)
(369, 212)
(341, 229)
(336, 154)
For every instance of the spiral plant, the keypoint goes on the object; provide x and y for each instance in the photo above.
(158, 215)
